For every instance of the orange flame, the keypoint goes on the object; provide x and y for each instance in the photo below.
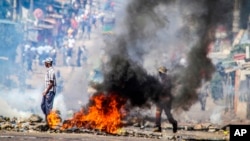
(103, 114)
(53, 119)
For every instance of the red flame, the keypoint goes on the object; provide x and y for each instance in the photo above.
(104, 113)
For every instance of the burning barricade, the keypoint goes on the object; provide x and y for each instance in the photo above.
(103, 113)
(82, 123)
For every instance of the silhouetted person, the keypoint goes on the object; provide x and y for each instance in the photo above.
(203, 92)
(165, 101)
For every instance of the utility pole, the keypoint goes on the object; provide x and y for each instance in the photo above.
(236, 90)
(248, 97)
(14, 10)
(31, 7)
(248, 27)
(236, 17)
(235, 30)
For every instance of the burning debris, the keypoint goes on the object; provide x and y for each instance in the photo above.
(103, 113)
(186, 131)
(54, 119)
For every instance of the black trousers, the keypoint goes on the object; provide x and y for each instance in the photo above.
(165, 105)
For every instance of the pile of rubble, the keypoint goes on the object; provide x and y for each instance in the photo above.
(132, 128)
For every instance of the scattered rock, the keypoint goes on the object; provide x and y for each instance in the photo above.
(35, 124)
(212, 128)
(2, 119)
(198, 127)
(206, 125)
(149, 124)
(35, 118)
(7, 126)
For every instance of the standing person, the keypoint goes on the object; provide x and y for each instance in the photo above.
(50, 88)
(69, 51)
(203, 94)
(88, 29)
(79, 56)
(165, 101)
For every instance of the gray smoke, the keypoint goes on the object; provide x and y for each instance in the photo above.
(161, 32)
(150, 33)
(17, 104)
(210, 14)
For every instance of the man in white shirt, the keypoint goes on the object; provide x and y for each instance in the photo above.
(50, 88)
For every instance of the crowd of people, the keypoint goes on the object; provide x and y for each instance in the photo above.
(64, 41)
(74, 22)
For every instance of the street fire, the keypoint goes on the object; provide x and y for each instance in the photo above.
(103, 113)
(54, 119)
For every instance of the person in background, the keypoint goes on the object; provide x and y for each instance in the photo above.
(69, 50)
(79, 56)
(203, 93)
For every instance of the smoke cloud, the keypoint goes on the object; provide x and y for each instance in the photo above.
(17, 104)
(156, 33)
(208, 16)
(149, 34)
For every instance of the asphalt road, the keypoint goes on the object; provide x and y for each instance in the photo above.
(16, 136)
(181, 135)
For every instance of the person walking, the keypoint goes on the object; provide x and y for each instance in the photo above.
(50, 88)
(165, 101)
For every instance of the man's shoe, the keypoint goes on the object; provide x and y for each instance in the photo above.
(157, 129)
(175, 126)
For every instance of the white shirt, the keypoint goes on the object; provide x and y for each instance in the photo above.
(50, 76)
(71, 42)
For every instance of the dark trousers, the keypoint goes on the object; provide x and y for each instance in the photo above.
(159, 109)
(47, 103)
(165, 104)
(202, 98)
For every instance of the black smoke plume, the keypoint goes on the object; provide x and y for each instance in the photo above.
(200, 66)
(143, 25)
(131, 81)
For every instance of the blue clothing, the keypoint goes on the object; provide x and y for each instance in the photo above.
(47, 102)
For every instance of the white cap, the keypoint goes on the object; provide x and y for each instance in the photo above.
(48, 60)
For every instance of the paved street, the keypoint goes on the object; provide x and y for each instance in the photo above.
(166, 135)
(11, 136)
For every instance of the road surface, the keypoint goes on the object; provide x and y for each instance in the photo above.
(17, 136)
